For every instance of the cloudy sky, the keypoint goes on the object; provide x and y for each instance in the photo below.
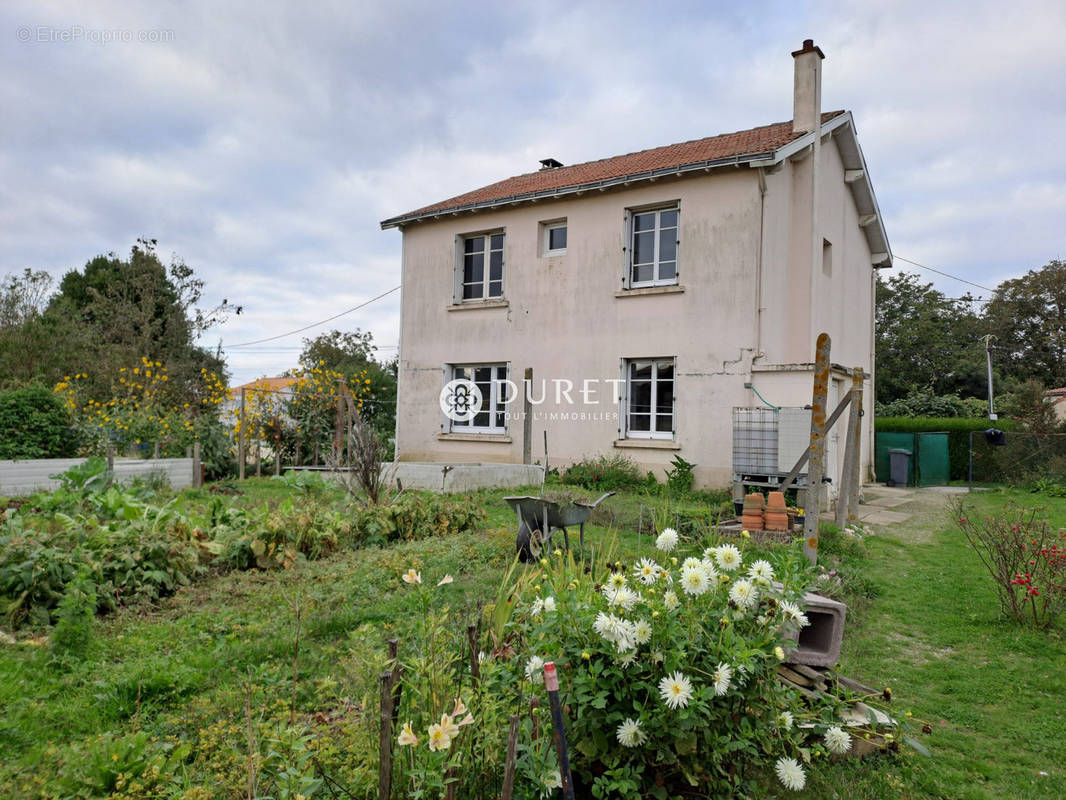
(263, 142)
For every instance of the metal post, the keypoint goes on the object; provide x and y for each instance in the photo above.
(240, 440)
(988, 360)
(816, 470)
(527, 417)
(197, 465)
(551, 683)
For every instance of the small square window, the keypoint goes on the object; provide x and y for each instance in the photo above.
(554, 238)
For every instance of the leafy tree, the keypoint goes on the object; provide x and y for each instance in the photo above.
(1027, 315)
(35, 347)
(926, 342)
(137, 308)
(351, 354)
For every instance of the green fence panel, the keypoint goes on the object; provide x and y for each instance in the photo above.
(885, 442)
(934, 464)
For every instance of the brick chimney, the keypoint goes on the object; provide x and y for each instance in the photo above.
(807, 93)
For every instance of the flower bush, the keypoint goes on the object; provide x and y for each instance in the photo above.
(143, 408)
(1025, 557)
(668, 669)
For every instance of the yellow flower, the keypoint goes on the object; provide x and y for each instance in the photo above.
(586, 655)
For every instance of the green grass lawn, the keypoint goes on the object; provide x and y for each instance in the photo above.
(990, 690)
(932, 632)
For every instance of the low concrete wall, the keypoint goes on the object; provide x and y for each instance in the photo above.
(462, 477)
(31, 475)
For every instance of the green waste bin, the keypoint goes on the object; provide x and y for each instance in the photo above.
(899, 467)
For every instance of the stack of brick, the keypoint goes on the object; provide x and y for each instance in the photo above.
(776, 512)
(752, 518)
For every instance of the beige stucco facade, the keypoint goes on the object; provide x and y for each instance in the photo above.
(770, 254)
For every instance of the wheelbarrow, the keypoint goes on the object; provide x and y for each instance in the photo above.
(540, 518)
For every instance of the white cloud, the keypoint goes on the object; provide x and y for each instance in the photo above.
(265, 141)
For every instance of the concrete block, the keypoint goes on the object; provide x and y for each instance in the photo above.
(818, 644)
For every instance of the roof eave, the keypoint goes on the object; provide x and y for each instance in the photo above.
(623, 180)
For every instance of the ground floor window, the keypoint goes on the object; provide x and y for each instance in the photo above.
(489, 380)
(649, 398)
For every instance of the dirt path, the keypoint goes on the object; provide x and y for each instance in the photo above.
(911, 515)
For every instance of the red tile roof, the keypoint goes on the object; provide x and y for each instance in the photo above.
(267, 384)
(752, 142)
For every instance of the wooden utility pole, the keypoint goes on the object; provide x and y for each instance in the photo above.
(816, 470)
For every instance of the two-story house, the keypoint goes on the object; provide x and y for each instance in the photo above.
(651, 294)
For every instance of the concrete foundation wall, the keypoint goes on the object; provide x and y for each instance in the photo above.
(32, 475)
(462, 477)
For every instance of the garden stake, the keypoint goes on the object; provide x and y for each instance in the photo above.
(551, 683)
(397, 675)
(534, 704)
(475, 666)
(509, 765)
(385, 751)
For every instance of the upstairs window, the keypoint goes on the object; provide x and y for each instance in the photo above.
(480, 267)
(653, 243)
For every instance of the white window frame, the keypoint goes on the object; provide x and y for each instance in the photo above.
(548, 227)
(630, 231)
(460, 267)
(627, 431)
(492, 403)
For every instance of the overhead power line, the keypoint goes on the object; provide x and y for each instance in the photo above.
(945, 274)
(315, 324)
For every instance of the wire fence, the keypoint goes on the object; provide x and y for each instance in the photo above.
(1017, 457)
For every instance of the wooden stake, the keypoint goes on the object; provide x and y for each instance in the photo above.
(551, 683)
(475, 665)
(509, 765)
(385, 744)
(816, 469)
(240, 440)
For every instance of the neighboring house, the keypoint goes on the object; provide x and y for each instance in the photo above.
(269, 390)
(676, 284)
(1057, 398)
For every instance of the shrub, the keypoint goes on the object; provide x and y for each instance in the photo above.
(73, 633)
(417, 516)
(34, 423)
(667, 673)
(680, 476)
(926, 404)
(1025, 557)
(604, 473)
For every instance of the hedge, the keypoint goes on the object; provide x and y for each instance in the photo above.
(958, 430)
(34, 424)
